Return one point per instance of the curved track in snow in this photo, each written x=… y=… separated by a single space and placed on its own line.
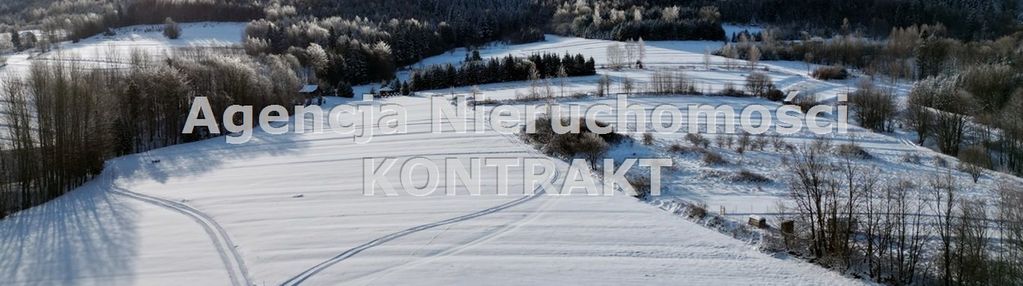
x=233 y=262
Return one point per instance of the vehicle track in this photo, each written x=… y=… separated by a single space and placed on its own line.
x=539 y=191
x=501 y=231
x=233 y=262
x=301 y=277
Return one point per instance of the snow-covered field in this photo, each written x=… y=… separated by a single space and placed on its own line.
x=696 y=181
x=294 y=211
x=106 y=51
x=289 y=209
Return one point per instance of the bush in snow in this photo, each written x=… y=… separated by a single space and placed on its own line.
x=712 y=158
x=758 y=84
x=830 y=73
x=641 y=185
x=775 y=95
x=807 y=101
x=973 y=160
x=584 y=144
x=679 y=148
x=697 y=211
x=746 y=176
x=648 y=138
x=730 y=90
x=171 y=29
x=853 y=151
x=697 y=140
x=873 y=108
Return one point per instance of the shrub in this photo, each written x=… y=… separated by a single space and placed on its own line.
x=940 y=162
x=697 y=140
x=807 y=101
x=585 y=143
x=648 y=138
x=679 y=148
x=171 y=29
x=831 y=73
x=853 y=151
x=697 y=211
x=760 y=142
x=745 y=176
x=730 y=90
x=973 y=160
x=712 y=158
x=641 y=185
x=873 y=108
x=777 y=142
x=775 y=95
x=912 y=158
x=758 y=84
x=745 y=142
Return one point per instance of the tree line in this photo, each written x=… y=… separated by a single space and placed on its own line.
x=74 y=20
x=623 y=20
x=966 y=19
x=64 y=120
x=509 y=68
x=347 y=50
x=901 y=232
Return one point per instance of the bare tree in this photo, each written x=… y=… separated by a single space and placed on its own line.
x=706 y=59
x=944 y=201
x=812 y=189
x=562 y=77
x=627 y=85
x=753 y=56
x=604 y=85
x=615 y=56
x=1010 y=219
x=973 y=160
x=872 y=107
x=758 y=84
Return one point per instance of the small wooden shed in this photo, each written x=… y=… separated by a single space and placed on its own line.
x=310 y=91
x=757 y=221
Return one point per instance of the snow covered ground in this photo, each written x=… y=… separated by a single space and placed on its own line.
x=294 y=210
x=99 y=50
x=696 y=181
x=289 y=209
x=895 y=156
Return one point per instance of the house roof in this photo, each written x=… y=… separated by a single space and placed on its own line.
x=386 y=89
x=309 y=88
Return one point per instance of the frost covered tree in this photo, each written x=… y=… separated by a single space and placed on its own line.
x=615 y=56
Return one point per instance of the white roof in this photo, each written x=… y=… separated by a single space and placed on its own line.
x=309 y=88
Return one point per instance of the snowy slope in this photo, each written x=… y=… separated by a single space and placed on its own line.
x=289 y=209
x=250 y=190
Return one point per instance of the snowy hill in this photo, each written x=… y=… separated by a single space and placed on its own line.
x=290 y=209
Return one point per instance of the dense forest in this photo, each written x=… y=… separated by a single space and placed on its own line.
x=478 y=71
x=61 y=127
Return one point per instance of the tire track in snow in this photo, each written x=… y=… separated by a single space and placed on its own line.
x=500 y=231
x=301 y=277
x=233 y=262
x=539 y=191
